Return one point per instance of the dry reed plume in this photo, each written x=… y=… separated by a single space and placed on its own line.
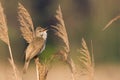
x=86 y=61
x=61 y=33
x=3 y=26
x=111 y=21
x=25 y=20
x=28 y=33
x=5 y=38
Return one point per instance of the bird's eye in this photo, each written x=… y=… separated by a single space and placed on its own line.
x=39 y=31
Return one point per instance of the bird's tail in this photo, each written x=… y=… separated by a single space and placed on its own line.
x=26 y=66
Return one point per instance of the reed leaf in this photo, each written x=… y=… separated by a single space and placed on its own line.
x=111 y=21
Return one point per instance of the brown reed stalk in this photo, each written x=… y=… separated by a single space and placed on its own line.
x=5 y=38
x=61 y=34
x=111 y=21
x=86 y=61
x=41 y=70
x=27 y=30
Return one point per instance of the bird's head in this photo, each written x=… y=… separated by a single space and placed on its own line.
x=41 y=32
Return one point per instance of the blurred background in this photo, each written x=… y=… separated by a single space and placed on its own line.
x=83 y=18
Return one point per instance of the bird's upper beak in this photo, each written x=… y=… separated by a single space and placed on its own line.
x=46 y=29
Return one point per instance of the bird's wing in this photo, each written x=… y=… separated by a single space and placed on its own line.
x=34 y=48
x=25 y=20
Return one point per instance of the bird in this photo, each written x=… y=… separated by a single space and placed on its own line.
x=36 y=46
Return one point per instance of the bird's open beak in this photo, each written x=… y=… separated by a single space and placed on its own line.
x=45 y=29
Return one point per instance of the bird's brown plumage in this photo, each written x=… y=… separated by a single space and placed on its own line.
x=33 y=49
